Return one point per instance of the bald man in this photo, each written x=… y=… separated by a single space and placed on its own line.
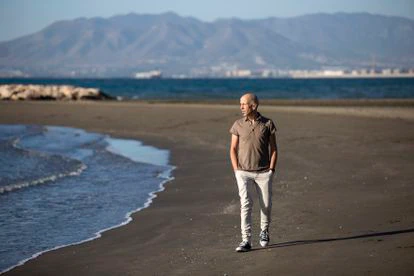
x=253 y=154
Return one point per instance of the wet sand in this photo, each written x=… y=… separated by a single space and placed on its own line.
x=343 y=199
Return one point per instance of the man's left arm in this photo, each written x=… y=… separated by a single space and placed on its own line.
x=273 y=152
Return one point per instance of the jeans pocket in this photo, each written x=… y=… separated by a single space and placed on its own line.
x=271 y=173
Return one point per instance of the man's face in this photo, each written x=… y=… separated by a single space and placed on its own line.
x=246 y=106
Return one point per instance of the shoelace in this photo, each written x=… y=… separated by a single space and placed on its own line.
x=243 y=243
x=264 y=235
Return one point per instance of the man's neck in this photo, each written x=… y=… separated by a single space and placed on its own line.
x=252 y=116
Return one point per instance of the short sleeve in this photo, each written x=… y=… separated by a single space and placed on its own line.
x=234 y=129
x=272 y=128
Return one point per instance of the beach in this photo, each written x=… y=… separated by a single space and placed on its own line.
x=343 y=197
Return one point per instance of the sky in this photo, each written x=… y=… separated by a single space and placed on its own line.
x=21 y=17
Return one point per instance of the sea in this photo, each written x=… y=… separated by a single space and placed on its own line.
x=61 y=186
x=218 y=89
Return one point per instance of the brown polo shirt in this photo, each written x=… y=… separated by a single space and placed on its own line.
x=253 y=152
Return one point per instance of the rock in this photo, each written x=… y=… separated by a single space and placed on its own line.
x=16 y=92
x=5 y=93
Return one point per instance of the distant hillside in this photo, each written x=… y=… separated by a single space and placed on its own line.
x=121 y=45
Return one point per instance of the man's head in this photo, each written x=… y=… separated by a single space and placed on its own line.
x=249 y=104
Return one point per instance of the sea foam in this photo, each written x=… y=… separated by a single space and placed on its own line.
x=117 y=178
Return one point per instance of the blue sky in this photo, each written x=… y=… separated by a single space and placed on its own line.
x=21 y=17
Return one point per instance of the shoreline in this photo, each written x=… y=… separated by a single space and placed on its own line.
x=393 y=109
x=363 y=102
x=97 y=235
x=400 y=102
x=317 y=195
x=164 y=177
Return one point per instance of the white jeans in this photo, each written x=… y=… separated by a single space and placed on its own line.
x=263 y=184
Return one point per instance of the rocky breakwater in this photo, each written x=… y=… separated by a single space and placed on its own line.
x=16 y=92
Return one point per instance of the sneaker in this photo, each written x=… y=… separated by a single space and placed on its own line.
x=244 y=246
x=264 y=238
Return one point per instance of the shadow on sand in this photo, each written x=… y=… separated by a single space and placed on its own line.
x=301 y=242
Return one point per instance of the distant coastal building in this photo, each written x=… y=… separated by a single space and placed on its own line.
x=239 y=73
x=154 y=74
x=230 y=72
x=360 y=73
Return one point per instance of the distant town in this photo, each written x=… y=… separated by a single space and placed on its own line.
x=215 y=72
x=245 y=73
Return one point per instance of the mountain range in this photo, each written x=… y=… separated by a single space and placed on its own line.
x=124 y=44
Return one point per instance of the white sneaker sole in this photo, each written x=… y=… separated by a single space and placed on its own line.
x=242 y=250
x=264 y=243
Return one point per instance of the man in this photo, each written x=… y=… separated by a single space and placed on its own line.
x=253 y=154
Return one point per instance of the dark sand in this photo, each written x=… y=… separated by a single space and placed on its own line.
x=343 y=198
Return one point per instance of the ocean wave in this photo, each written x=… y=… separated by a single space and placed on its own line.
x=43 y=180
x=165 y=175
x=14 y=142
x=122 y=177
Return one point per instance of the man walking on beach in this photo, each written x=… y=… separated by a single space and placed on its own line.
x=253 y=154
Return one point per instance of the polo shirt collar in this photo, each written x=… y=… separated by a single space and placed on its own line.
x=259 y=116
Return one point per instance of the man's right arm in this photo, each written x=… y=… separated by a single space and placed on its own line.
x=233 y=151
